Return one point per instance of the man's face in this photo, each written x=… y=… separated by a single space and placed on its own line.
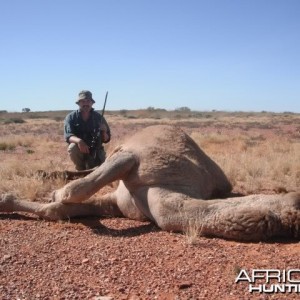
x=85 y=105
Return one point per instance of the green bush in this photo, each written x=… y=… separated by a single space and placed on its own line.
x=14 y=120
x=7 y=146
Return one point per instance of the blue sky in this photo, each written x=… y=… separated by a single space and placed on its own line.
x=234 y=55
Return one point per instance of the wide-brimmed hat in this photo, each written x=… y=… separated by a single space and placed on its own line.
x=85 y=95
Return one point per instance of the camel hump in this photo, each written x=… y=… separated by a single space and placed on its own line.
x=165 y=139
x=170 y=157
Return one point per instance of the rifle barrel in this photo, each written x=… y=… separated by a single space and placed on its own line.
x=104 y=104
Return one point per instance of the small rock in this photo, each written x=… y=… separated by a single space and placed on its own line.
x=6 y=257
x=184 y=285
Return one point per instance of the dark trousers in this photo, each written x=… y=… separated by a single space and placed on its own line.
x=84 y=161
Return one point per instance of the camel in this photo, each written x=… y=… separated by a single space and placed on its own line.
x=166 y=178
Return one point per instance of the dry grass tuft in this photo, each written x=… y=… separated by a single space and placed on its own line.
x=255 y=163
x=11 y=142
x=20 y=179
x=192 y=232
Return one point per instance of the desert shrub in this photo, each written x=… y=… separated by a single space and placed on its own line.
x=156 y=117
x=123 y=112
x=14 y=120
x=183 y=109
x=6 y=146
x=58 y=119
x=177 y=116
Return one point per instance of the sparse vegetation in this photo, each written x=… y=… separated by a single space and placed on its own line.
x=259 y=152
x=6 y=146
x=12 y=141
x=192 y=232
x=13 y=120
x=183 y=109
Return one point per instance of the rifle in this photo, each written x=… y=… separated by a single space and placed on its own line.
x=98 y=134
x=103 y=109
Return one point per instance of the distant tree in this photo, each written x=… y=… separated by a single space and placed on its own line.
x=25 y=109
x=3 y=111
x=183 y=109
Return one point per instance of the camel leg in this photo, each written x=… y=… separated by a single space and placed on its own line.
x=126 y=204
x=67 y=175
x=254 y=218
x=250 y=218
x=115 y=167
x=106 y=206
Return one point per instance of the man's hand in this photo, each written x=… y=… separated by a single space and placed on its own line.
x=83 y=147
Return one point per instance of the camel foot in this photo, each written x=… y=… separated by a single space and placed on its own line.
x=7 y=202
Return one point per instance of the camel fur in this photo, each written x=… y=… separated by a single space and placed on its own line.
x=166 y=178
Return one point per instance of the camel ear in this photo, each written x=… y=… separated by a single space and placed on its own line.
x=115 y=167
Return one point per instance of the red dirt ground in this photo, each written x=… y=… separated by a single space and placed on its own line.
x=124 y=259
